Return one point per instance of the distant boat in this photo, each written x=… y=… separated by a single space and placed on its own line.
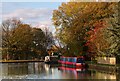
x=51 y=59
x=72 y=61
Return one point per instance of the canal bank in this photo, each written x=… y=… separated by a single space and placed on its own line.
x=104 y=68
x=19 y=61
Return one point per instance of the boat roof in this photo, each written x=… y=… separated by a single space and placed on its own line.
x=72 y=57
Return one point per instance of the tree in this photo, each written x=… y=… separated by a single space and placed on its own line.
x=38 y=42
x=21 y=41
x=7 y=30
x=97 y=42
x=105 y=34
x=68 y=29
x=8 y=26
x=113 y=30
x=74 y=20
x=49 y=39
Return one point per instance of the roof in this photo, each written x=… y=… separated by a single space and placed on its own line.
x=73 y=57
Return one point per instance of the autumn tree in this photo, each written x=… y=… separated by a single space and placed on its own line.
x=38 y=42
x=113 y=33
x=7 y=28
x=74 y=19
x=21 y=41
x=105 y=35
x=97 y=43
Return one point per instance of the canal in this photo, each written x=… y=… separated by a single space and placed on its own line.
x=39 y=70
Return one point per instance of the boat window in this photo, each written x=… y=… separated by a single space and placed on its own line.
x=80 y=60
x=70 y=59
x=65 y=59
x=74 y=59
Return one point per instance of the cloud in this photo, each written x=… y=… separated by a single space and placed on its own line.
x=45 y=24
x=0 y=5
x=40 y=18
x=0 y=9
x=29 y=13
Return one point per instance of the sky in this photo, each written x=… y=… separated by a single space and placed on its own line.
x=37 y=14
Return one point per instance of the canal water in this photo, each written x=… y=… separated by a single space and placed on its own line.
x=38 y=70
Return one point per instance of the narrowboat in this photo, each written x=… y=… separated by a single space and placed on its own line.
x=72 y=61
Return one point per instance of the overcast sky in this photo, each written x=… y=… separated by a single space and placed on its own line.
x=37 y=14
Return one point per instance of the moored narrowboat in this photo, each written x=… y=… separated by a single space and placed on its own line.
x=51 y=59
x=72 y=61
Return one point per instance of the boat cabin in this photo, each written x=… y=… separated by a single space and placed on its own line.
x=72 y=61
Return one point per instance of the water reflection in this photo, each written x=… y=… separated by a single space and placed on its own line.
x=39 y=70
x=74 y=73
